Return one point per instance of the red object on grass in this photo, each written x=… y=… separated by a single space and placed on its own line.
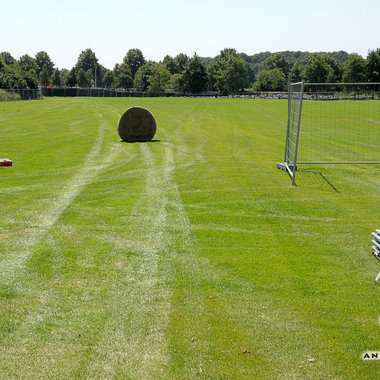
x=5 y=162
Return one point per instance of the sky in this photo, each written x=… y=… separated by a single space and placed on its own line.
x=64 y=28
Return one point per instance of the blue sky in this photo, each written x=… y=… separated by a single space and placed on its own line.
x=63 y=28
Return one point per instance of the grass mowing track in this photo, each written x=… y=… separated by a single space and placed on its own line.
x=189 y=257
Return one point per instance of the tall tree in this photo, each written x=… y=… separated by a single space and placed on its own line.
x=194 y=77
x=295 y=73
x=270 y=80
x=27 y=63
x=229 y=72
x=122 y=76
x=11 y=77
x=354 y=69
x=27 y=67
x=169 y=62
x=71 y=79
x=45 y=77
x=90 y=78
x=317 y=69
x=30 y=79
x=335 y=68
x=7 y=58
x=180 y=61
x=159 y=78
x=87 y=62
x=108 y=79
x=81 y=78
x=134 y=59
x=277 y=61
x=64 y=74
x=141 y=81
x=44 y=67
x=175 y=82
x=56 y=79
x=373 y=66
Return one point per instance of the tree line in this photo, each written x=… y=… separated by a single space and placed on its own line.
x=228 y=73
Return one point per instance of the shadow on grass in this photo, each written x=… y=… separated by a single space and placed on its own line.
x=324 y=179
x=140 y=142
x=329 y=183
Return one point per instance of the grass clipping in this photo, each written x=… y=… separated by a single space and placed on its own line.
x=136 y=125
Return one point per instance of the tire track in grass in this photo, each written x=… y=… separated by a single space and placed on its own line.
x=10 y=348
x=134 y=342
x=242 y=311
x=22 y=248
x=47 y=300
x=147 y=349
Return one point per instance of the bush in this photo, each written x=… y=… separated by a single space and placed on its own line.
x=6 y=96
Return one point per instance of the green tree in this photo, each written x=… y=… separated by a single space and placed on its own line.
x=44 y=67
x=45 y=77
x=123 y=76
x=373 y=66
x=56 y=79
x=64 y=73
x=251 y=72
x=180 y=61
x=7 y=58
x=317 y=69
x=102 y=73
x=134 y=59
x=270 y=80
x=141 y=81
x=87 y=62
x=354 y=69
x=108 y=79
x=169 y=62
x=71 y=79
x=229 y=73
x=81 y=78
x=30 y=79
x=194 y=77
x=27 y=69
x=175 y=82
x=90 y=80
x=27 y=63
x=11 y=77
x=277 y=61
x=335 y=69
x=159 y=78
x=295 y=73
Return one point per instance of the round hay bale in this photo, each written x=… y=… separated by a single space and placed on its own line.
x=136 y=125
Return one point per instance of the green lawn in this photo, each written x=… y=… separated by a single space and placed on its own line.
x=188 y=257
x=340 y=131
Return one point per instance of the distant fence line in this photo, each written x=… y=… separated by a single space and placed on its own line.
x=341 y=91
x=109 y=92
x=112 y=92
x=28 y=94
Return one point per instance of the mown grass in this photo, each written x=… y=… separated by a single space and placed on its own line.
x=343 y=131
x=191 y=257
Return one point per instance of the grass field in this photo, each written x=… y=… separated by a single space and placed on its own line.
x=339 y=131
x=189 y=257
